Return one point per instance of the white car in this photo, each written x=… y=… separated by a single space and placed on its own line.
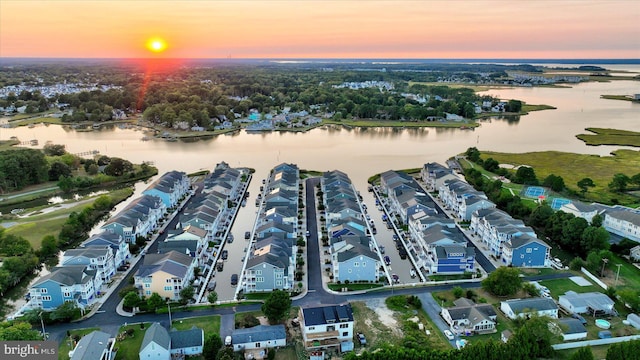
x=449 y=335
x=227 y=340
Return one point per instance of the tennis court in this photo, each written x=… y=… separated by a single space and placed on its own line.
x=534 y=192
x=557 y=203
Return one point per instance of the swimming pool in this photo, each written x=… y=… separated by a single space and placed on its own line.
x=603 y=324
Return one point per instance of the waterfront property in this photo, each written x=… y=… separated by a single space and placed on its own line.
x=526 y=307
x=165 y=274
x=442 y=246
x=75 y=283
x=434 y=175
x=170 y=188
x=495 y=227
x=114 y=241
x=99 y=258
x=623 y=222
x=272 y=258
x=327 y=327
x=139 y=218
x=354 y=260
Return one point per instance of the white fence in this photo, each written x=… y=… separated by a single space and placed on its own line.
x=594 y=278
x=578 y=344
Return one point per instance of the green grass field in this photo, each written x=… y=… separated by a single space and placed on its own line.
x=130 y=347
x=610 y=137
x=574 y=167
x=210 y=324
x=559 y=287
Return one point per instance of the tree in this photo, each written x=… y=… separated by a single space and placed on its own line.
x=556 y=183
x=514 y=106
x=530 y=289
x=594 y=238
x=212 y=345
x=18 y=330
x=154 y=301
x=491 y=165
x=65 y=312
x=473 y=154
x=54 y=150
x=503 y=282
x=619 y=182
x=525 y=175
x=541 y=215
x=59 y=169
x=624 y=350
x=49 y=246
x=212 y=297
x=276 y=306
x=118 y=167
x=584 y=184
x=186 y=294
x=131 y=300
x=457 y=292
x=225 y=353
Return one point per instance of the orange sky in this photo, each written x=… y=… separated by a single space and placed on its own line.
x=322 y=29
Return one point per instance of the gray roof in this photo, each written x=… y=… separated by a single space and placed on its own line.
x=88 y=252
x=156 y=333
x=629 y=216
x=357 y=248
x=259 y=333
x=327 y=314
x=524 y=239
x=594 y=300
x=68 y=275
x=474 y=313
x=532 y=304
x=571 y=326
x=443 y=252
x=91 y=346
x=172 y=262
x=181 y=339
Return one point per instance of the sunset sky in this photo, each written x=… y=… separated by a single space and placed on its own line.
x=321 y=29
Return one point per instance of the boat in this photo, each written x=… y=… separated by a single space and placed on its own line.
x=34 y=142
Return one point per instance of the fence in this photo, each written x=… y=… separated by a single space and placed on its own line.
x=578 y=344
x=594 y=278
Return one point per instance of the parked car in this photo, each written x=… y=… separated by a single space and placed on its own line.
x=387 y=260
x=403 y=253
x=396 y=278
x=382 y=250
x=227 y=340
x=234 y=279
x=247 y=235
x=449 y=335
x=579 y=317
x=412 y=272
x=308 y=233
x=361 y=339
x=224 y=254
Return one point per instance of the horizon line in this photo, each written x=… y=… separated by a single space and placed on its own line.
x=311 y=58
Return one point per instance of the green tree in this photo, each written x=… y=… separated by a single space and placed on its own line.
x=154 y=301
x=503 y=282
x=556 y=183
x=54 y=150
x=525 y=175
x=18 y=330
x=473 y=154
x=514 y=106
x=276 y=306
x=131 y=300
x=583 y=353
x=585 y=184
x=594 y=238
x=619 y=182
x=541 y=215
x=118 y=167
x=624 y=350
x=186 y=294
x=59 y=169
x=65 y=312
x=49 y=246
x=212 y=344
x=457 y=292
x=530 y=289
x=212 y=297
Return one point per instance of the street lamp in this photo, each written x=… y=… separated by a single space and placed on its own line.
x=618 y=273
x=44 y=334
x=604 y=262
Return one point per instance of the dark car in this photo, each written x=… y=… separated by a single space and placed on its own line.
x=579 y=317
x=224 y=254
x=234 y=279
x=387 y=260
x=403 y=253
x=247 y=235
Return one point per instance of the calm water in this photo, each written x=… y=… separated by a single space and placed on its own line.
x=364 y=152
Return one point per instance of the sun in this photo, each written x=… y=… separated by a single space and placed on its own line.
x=156 y=45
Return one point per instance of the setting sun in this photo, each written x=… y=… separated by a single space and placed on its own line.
x=156 y=45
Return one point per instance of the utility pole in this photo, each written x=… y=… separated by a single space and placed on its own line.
x=169 y=306
x=604 y=262
x=618 y=273
x=44 y=334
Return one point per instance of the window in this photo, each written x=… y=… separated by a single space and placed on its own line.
x=258 y=272
x=345 y=333
x=279 y=283
x=260 y=279
x=148 y=292
x=349 y=271
x=364 y=264
x=168 y=281
x=344 y=326
x=312 y=327
x=168 y=288
x=46 y=298
x=529 y=251
x=43 y=290
x=67 y=294
x=147 y=285
x=356 y=264
x=331 y=328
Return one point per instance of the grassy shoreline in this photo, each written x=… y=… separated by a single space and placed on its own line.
x=619 y=97
x=603 y=136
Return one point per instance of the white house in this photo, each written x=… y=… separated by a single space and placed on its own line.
x=186 y=342
x=571 y=329
x=635 y=253
x=525 y=307
x=586 y=303
x=96 y=345
x=327 y=327
x=468 y=317
x=623 y=223
x=156 y=344
x=259 y=337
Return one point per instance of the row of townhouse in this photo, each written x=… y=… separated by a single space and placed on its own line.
x=509 y=239
x=618 y=220
x=187 y=247
x=352 y=256
x=84 y=272
x=272 y=262
x=462 y=199
x=437 y=244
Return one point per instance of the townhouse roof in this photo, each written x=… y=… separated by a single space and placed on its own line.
x=447 y=251
x=107 y=237
x=524 y=239
x=172 y=262
x=324 y=315
x=89 y=252
x=68 y=275
x=355 y=246
x=629 y=216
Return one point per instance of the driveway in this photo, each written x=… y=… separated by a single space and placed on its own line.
x=431 y=307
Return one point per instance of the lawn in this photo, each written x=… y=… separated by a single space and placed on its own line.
x=559 y=287
x=629 y=274
x=66 y=345
x=610 y=137
x=210 y=324
x=599 y=352
x=130 y=346
x=574 y=167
